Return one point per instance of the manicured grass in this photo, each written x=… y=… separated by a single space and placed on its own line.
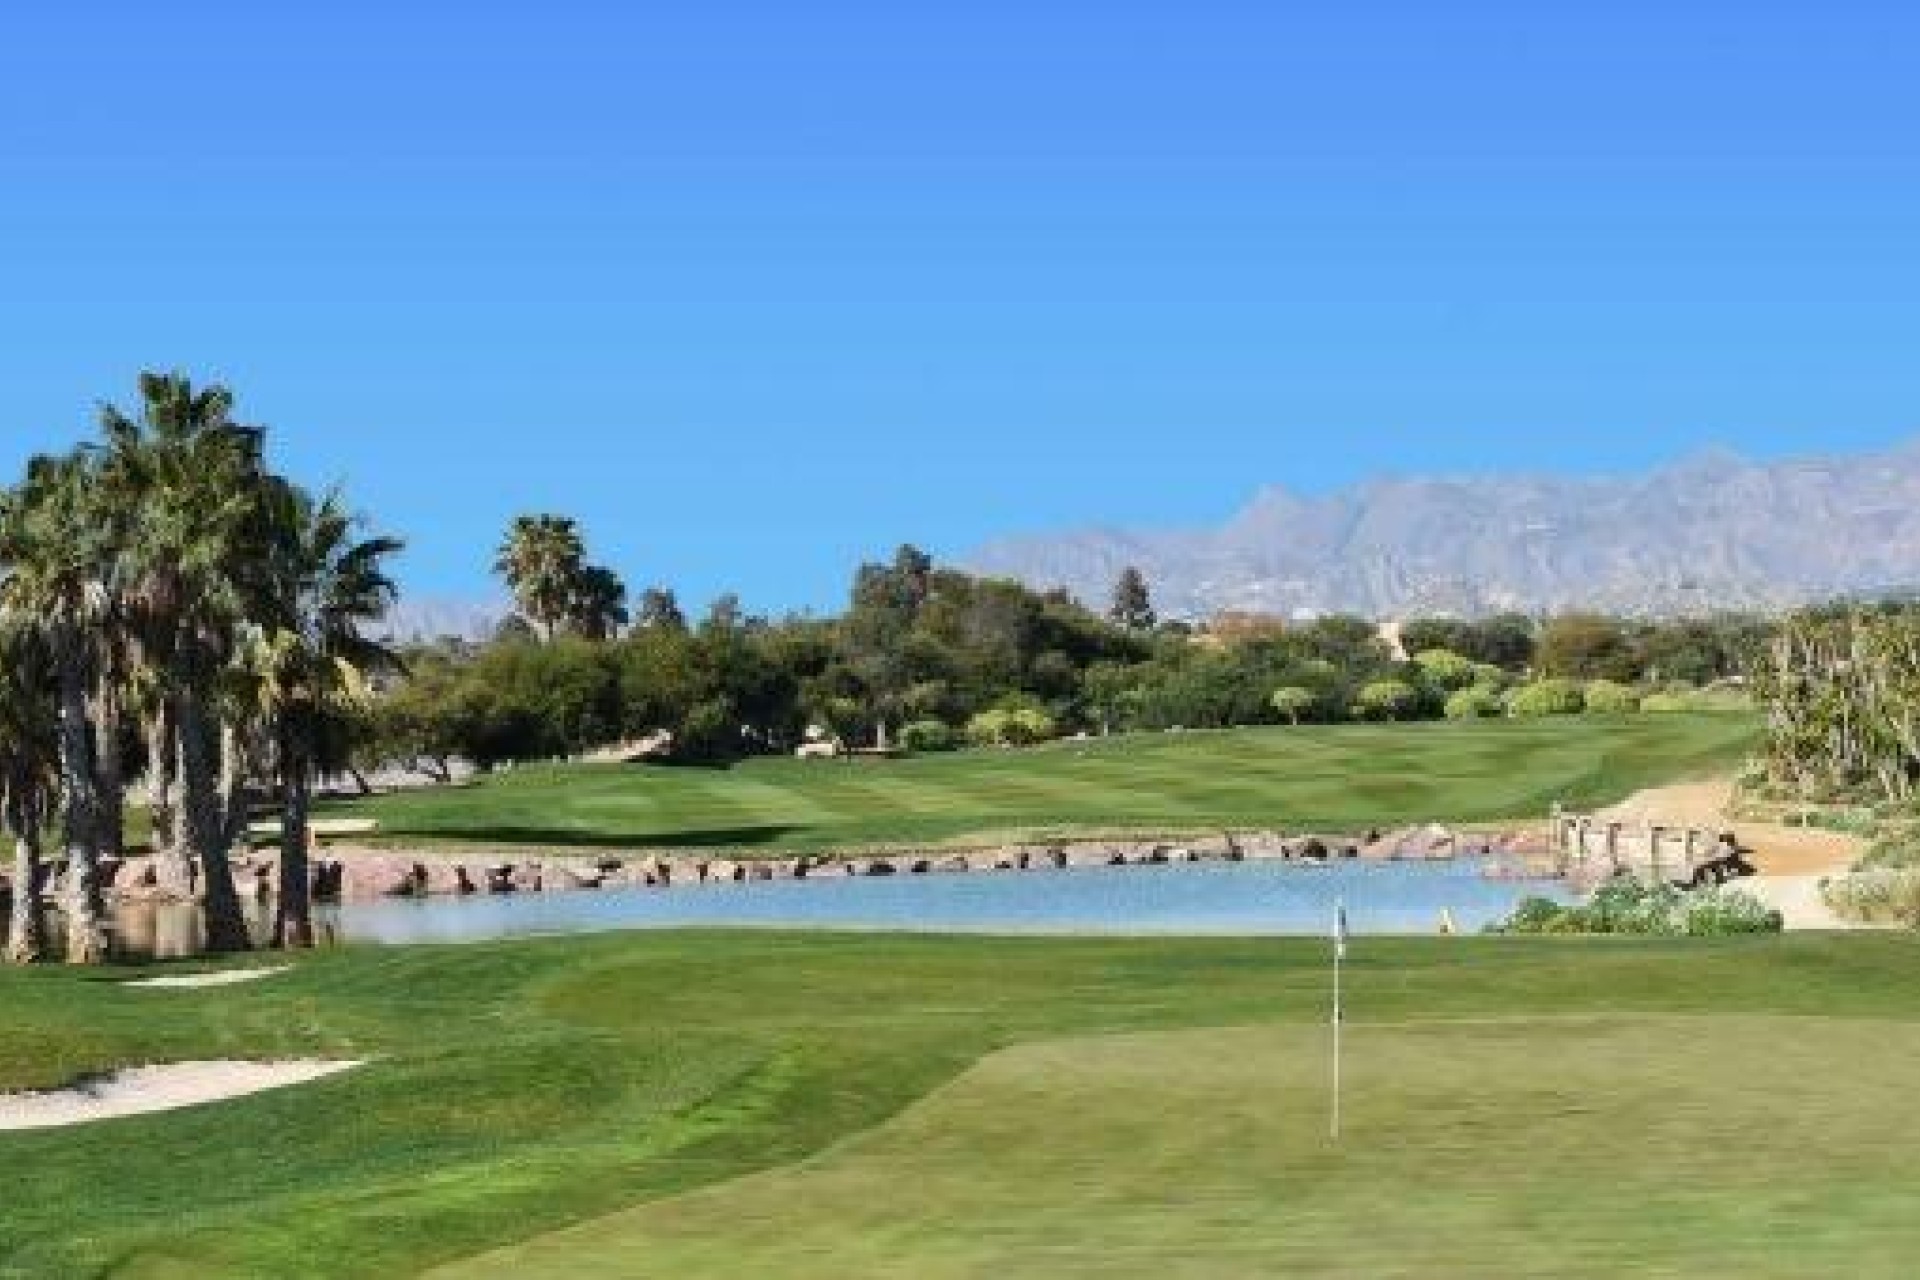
x=1350 y=776
x=905 y=1105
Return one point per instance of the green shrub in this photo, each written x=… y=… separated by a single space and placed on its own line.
x=1445 y=669
x=1018 y=727
x=1610 y=698
x=1550 y=697
x=1473 y=702
x=927 y=735
x=988 y=728
x=1710 y=913
x=1027 y=725
x=1385 y=700
x=1627 y=906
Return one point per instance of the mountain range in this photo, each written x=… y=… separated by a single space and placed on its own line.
x=1711 y=531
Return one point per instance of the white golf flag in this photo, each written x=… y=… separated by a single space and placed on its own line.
x=1340 y=931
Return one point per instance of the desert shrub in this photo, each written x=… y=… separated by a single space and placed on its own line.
x=1876 y=897
x=1010 y=727
x=927 y=735
x=1709 y=913
x=1385 y=700
x=1027 y=725
x=1550 y=697
x=1610 y=698
x=988 y=728
x=1534 y=915
x=1473 y=702
x=1629 y=907
x=1445 y=669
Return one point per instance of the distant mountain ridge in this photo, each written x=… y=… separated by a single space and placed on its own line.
x=1710 y=531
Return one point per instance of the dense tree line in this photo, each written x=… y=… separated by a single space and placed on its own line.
x=928 y=657
x=172 y=607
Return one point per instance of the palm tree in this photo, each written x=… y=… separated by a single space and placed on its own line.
x=314 y=657
x=53 y=585
x=29 y=780
x=542 y=559
x=598 y=608
x=186 y=485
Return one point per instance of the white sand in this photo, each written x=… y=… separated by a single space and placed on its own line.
x=138 y=1090
x=218 y=978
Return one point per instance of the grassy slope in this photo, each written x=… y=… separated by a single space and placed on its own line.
x=519 y=1087
x=1321 y=776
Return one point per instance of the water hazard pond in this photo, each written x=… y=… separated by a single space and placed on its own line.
x=1193 y=898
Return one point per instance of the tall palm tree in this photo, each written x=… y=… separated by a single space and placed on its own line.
x=542 y=559
x=29 y=780
x=54 y=566
x=598 y=608
x=314 y=656
x=187 y=485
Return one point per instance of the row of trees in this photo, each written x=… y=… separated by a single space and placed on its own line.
x=170 y=606
x=1591 y=646
x=926 y=657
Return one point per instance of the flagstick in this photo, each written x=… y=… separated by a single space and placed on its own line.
x=1339 y=953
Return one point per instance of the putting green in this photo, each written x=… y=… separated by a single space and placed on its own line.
x=1575 y=1145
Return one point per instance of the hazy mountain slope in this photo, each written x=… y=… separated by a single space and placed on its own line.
x=1713 y=530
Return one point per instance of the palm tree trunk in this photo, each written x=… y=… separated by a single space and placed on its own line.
x=108 y=766
x=25 y=942
x=233 y=783
x=203 y=822
x=293 y=920
x=171 y=868
x=86 y=913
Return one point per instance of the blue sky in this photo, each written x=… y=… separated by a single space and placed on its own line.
x=757 y=289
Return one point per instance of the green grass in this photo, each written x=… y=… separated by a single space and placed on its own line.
x=1349 y=776
x=711 y=1103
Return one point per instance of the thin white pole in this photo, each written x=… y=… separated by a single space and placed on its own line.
x=1339 y=953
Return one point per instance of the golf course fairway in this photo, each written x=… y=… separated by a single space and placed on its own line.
x=733 y=1103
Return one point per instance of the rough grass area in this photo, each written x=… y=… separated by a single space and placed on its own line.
x=1315 y=776
x=839 y=1105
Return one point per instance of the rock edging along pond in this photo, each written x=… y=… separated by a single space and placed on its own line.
x=342 y=873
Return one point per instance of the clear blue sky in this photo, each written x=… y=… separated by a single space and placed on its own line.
x=757 y=289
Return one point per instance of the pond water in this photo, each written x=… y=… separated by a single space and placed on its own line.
x=1189 y=898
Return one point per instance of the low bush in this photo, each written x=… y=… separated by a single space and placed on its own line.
x=927 y=735
x=1629 y=907
x=1551 y=697
x=1876 y=897
x=1016 y=727
x=1473 y=702
x=1610 y=698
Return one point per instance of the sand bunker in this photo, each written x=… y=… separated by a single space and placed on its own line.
x=138 y=1090
x=218 y=978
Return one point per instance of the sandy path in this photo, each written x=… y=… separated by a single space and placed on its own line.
x=218 y=978
x=139 y=1090
x=1792 y=860
x=1778 y=849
